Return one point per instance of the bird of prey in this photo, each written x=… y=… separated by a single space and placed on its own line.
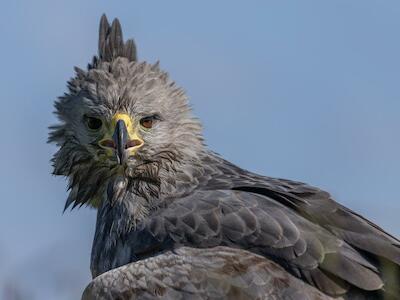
x=177 y=221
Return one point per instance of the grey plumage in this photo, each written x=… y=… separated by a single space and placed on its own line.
x=173 y=196
x=189 y=273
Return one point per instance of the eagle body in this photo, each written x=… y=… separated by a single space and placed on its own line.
x=293 y=224
x=177 y=221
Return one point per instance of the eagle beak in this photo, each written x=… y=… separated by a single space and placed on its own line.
x=123 y=139
x=120 y=138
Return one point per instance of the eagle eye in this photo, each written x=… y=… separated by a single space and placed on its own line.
x=93 y=123
x=147 y=122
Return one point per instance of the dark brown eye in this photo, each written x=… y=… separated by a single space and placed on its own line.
x=93 y=123
x=147 y=122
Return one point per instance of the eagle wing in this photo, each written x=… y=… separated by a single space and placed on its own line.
x=189 y=273
x=298 y=226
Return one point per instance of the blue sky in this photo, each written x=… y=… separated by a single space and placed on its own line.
x=310 y=87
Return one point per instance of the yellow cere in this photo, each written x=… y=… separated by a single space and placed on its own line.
x=124 y=117
x=132 y=131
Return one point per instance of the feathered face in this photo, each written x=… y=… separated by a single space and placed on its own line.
x=124 y=125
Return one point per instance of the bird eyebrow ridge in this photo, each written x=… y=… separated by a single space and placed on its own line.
x=154 y=116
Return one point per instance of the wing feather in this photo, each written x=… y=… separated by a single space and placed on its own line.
x=256 y=222
x=214 y=273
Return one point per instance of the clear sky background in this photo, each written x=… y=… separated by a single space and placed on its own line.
x=306 y=90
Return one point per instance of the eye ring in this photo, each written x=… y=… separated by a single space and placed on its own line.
x=93 y=123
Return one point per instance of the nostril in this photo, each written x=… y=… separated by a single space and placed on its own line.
x=108 y=143
x=133 y=143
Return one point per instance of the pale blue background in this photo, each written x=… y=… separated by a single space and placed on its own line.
x=307 y=90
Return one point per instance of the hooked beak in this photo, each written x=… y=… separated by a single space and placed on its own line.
x=123 y=140
x=120 y=138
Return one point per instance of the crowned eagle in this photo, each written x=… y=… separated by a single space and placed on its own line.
x=177 y=221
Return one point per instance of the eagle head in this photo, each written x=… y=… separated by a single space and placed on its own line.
x=124 y=126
